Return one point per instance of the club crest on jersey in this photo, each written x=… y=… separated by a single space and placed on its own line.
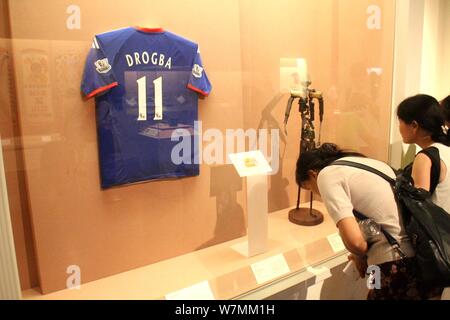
x=102 y=65
x=197 y=71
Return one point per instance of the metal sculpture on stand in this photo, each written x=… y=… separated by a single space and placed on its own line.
x=306 y=96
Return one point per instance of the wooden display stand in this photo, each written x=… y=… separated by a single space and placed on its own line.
x=305 y=216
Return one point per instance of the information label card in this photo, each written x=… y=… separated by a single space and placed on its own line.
x=252 y=163
x=199 y=291
x=270 y=268
x=336 y=243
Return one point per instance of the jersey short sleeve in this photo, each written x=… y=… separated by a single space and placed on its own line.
x=335 y=193
x=98 y=75
x=198 y=80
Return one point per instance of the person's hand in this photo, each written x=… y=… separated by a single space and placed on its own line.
x=360 y=264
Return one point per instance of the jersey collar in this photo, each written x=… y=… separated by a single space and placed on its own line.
x=149 y=30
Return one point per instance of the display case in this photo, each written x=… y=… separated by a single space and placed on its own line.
x=158 y=236
x=298 y=259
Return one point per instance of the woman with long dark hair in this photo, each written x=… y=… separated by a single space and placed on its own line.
x=423 y=121
x=344 y=189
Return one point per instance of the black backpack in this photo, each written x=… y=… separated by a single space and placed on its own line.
x=427 y=225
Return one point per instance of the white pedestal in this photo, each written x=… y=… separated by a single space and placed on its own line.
x=254 y=167
x=257 y=215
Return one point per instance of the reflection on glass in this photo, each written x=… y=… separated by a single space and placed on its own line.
x=293 y=74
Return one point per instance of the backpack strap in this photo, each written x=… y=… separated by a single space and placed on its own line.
x=366 y=168
x=391 y=240
x=435 y=174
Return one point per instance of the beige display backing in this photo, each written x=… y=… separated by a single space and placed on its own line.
x=59 y=212
x=229 y=274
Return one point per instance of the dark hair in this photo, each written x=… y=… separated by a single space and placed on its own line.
x=445 y=104
x=319 y=158
x=426 y=111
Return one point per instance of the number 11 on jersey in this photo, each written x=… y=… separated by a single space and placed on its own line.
x=142 y=98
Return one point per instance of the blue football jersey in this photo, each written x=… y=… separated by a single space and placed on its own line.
x=146 y=84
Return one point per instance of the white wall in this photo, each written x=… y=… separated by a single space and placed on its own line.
x=9 y=276
x=421 y=61
x=407 y=61
x=435 y=70
x=444 y=49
